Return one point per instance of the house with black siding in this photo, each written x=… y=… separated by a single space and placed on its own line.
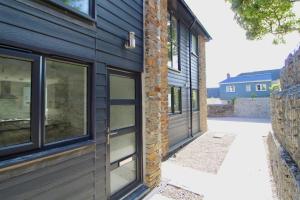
x=74 y=94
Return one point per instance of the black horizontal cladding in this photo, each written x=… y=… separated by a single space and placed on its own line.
x=49 y=179
x=43 y=32
x=179 y=124
x=33 y=26
x=114 y=22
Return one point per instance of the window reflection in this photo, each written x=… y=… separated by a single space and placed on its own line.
x=15 y=101
x=81 y=5
x=66 y=100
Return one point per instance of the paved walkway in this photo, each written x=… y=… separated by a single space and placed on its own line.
x=243 y=175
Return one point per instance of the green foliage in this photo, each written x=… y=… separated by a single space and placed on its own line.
x=275 y=87
x=260 y=17
x=233 y=100
x=253 y=95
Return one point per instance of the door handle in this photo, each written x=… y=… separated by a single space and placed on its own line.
x=107 y=139
x=113 y=133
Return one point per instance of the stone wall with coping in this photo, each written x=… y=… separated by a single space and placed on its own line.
x=220 y=110
x=252 y=107
x=285 y=142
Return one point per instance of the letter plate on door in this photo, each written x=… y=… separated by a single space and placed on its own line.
x=124 y=162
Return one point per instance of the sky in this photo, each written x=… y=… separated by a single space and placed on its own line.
x=229 y=51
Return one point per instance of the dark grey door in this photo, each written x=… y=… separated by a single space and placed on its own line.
x=124 y=133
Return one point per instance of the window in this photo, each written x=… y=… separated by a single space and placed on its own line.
x=65 y=105
x=170 y=99
x=248 y=88
x=195 y=99
x=84 y=7
x=194 y=44
x=66 y=100
x=15 y=101
x=230 y=88
x=173 y=61
x=174 y=100
x=261 y=87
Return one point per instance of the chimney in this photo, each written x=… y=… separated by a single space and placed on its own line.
x=228 y=75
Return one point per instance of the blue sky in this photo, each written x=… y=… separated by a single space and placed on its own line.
x=230 y=51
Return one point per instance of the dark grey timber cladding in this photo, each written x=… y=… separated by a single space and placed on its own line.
x=101 y=120
x=67 y=176
x=42 y=28
x=115 y=18
x=35 y=26
x=179 y=123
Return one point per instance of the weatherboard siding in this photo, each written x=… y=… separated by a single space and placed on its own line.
x=45 y=29
x=181 y=126
x=240 y=91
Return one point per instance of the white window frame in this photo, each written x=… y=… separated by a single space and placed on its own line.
x=230 y=88
x=248 y=88
x=260 y=89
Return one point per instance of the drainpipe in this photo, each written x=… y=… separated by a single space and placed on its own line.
x=190 y=74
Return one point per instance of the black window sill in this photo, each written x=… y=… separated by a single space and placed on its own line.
x=78 y=13
x=175 y=70
x=31 y=156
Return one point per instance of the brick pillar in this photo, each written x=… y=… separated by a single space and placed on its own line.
x=164 y=77
x=202 y=84
x=155 y=88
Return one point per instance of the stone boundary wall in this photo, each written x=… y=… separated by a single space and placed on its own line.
x=220 y=110
x=285 y=171
x=285 y=109
x=252 y=107
x=243 y=107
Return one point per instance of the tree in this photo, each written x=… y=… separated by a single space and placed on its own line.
x=260 y=17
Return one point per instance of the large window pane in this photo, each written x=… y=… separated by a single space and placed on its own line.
x=122 y=176
x=194 y=44
x=66 y=100
x=15 y=101
x=122 y=146
x=122 y=116
x=170 y=99
x=177 y=100
x=121 y=87
x=195 y=100
x=81 y=5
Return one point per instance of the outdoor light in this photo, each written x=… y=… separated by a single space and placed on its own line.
x=130 y=43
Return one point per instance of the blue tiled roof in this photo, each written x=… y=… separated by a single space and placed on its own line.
x=248 y=78
x=275 y=73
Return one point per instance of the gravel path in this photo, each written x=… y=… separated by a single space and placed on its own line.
x=177 y=193
x=205 y=153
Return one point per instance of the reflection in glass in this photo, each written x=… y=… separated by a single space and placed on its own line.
x=121 y=87
x=66 y=100
x=195 y=101
x=177 y=99
x=122 y=146
x=122 y=116
x=15 y=101
x=81 y=5
x=122 y=176
x=170 y=99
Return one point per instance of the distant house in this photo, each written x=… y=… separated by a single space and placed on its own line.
x=249 y=84
x=213 y=93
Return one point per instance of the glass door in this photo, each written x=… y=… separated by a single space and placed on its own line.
x=123 y=132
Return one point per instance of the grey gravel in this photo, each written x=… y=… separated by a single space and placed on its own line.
x=177 y=193
x=206 y=153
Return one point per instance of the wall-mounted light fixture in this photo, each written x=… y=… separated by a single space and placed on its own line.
x=130 y=43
